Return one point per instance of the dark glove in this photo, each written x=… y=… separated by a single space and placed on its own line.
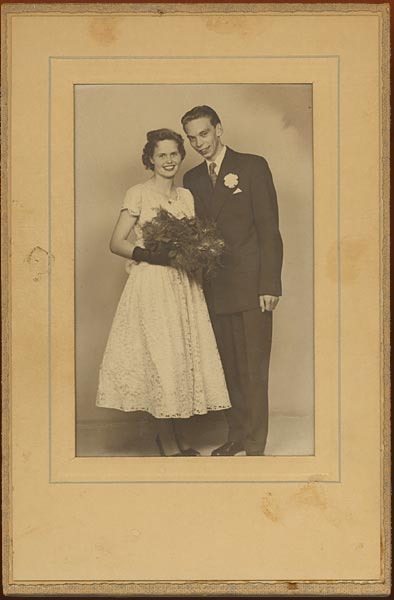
x=160 y=255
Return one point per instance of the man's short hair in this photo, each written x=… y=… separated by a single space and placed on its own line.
x=199 y=112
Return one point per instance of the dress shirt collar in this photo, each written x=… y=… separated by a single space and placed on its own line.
x=218 y=160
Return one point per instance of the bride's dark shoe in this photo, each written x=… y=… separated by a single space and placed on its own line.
x=160 y=445
x=181 y=441
x=182 y=452
x=187 y=452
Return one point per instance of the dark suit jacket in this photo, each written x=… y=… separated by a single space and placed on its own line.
x=248 y=221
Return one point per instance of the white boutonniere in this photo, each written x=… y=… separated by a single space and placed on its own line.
x=231 y=181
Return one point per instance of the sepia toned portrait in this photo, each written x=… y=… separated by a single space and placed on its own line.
x=193 y=286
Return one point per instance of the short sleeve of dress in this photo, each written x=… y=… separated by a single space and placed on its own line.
x=188 y=201
x=133 y=200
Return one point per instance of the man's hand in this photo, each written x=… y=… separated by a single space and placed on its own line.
x=268 y=302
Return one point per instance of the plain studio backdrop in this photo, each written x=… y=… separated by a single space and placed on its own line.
x=111 y=122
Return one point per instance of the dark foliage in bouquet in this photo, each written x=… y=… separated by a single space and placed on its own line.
x=197 y=245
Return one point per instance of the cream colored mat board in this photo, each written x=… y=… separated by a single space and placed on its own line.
x=271 y=525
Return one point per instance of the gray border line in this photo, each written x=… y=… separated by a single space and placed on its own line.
x=49 y=270
x=50 y=58
x=182 y=57
x=339 y=268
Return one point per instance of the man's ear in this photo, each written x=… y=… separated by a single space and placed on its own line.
x=219 y=129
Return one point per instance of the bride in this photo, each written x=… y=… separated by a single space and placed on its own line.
x=161 y=355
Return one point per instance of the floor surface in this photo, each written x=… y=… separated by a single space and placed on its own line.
x=135 y=436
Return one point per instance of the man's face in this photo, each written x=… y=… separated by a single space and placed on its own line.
x=204 y=137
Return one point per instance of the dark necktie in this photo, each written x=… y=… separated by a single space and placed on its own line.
x=212 y=174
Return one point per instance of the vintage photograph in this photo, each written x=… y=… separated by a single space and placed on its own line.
x=194 y=270
x=195 y=267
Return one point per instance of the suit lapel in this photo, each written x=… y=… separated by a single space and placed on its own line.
x=221 y=192
x=205 y=190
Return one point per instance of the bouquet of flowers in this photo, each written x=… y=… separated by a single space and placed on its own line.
x=197 y=246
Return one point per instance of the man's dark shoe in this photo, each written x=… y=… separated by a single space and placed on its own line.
x=228 y=449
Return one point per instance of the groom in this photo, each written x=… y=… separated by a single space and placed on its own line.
x=236 y=190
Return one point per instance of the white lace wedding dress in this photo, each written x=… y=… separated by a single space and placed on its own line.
x=161 y=355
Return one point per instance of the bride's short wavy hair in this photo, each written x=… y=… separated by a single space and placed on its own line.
x=160 y=135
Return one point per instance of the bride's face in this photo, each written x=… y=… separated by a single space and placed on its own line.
x=166 y=159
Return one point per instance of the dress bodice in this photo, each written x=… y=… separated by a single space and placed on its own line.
x=144 y=200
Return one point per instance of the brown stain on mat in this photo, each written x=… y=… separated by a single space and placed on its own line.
x=310 y=495
x=291 y=585
x=135 y=535
x=38 y=261
x=102 y=549
x=26 y=456
x=33 y=530
x=316 y=477
x=270 y=508
x=104 y=30
x=244 y=26
x=353 y=256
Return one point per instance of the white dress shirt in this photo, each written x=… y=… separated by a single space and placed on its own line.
x=218 y=160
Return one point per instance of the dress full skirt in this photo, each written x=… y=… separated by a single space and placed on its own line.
x=161 y=356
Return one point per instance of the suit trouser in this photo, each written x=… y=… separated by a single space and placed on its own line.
x=244 y=343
